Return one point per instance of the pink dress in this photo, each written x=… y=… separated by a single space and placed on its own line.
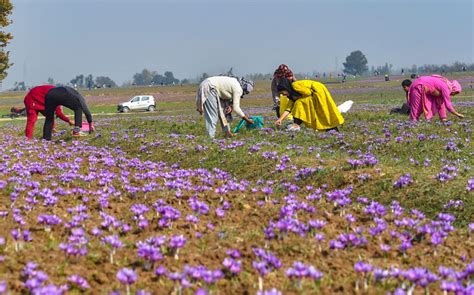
x=422 y=98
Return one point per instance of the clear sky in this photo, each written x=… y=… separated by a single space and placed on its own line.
x=117 y=38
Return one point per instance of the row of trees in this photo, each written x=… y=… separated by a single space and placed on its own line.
x=356 y=64
x=147 y=77
x=81 y=81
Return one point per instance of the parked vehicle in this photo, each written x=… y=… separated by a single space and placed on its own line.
x=138 y=103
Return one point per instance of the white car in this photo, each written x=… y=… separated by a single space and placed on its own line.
x=139 y=102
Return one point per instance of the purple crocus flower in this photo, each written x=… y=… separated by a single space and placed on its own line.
x=177 y=242
x=471 y=227
x=470 y=185
x=362 y=267
x=3 y=287
x=161 y=271
x=79 y=281
x=403 y=181
x=127 y=277
x=234 y=266
x=270 y=292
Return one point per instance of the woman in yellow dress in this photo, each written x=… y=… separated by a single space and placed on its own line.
x=310 y=103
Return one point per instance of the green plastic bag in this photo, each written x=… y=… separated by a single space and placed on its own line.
x=257 y=124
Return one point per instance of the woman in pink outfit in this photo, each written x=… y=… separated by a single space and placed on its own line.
x=431 y=95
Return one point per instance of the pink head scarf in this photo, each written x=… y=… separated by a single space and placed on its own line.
x=453 y=85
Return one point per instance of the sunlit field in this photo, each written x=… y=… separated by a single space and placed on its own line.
x=148 y=203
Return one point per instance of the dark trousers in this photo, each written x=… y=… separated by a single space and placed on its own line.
x=60 y=96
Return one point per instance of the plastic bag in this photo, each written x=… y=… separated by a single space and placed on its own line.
x=257 y=124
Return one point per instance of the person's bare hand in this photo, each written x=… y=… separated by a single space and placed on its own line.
x=228 y=110
x=91 y=128
x=278 y=122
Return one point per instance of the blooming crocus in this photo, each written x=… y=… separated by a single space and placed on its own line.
x=403 y=181
x=234 y=253
x=177 y=242
x=471 y=229
x=114 y=243
x=300 y=271
x=470 y=185
x=363 y=268
x=265 y=263
x=269 y=292
x=16 y=235
x=220 y=212
x=150 y=253
x=234 y=266
x=3 y=287
x=79 y=282
x=385 y=247
x=161 y=271
x=127 y=277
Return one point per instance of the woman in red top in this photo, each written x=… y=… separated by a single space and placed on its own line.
x=34 y=104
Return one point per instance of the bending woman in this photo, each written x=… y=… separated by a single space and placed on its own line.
x=70 y=98
x=431 y=95
x=212 y=94
x=35 y=103
x=310 y=103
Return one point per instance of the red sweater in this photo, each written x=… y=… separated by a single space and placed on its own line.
x=34 y=103
x=34 y=100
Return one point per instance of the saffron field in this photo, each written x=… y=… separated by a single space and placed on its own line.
x=149 y=205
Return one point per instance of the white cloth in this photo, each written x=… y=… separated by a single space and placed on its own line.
x=228 y=88
x=209 y=104
x=345 y=107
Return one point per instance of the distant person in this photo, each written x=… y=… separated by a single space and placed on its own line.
x=387 y=78
x=35 y=103
x=431 y=95
x=402 y=72
x=310 y=103
x=70 y=98
x=283 y=71
x=213 y=93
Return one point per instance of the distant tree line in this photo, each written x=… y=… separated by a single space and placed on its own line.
x=146 y=77
x=81 y=81
x=356 y=64
x=455 y=67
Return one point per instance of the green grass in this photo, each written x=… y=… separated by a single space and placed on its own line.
x=360 y=132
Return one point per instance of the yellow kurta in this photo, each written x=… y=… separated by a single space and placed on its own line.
x=315 y=108
x=283 y=106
